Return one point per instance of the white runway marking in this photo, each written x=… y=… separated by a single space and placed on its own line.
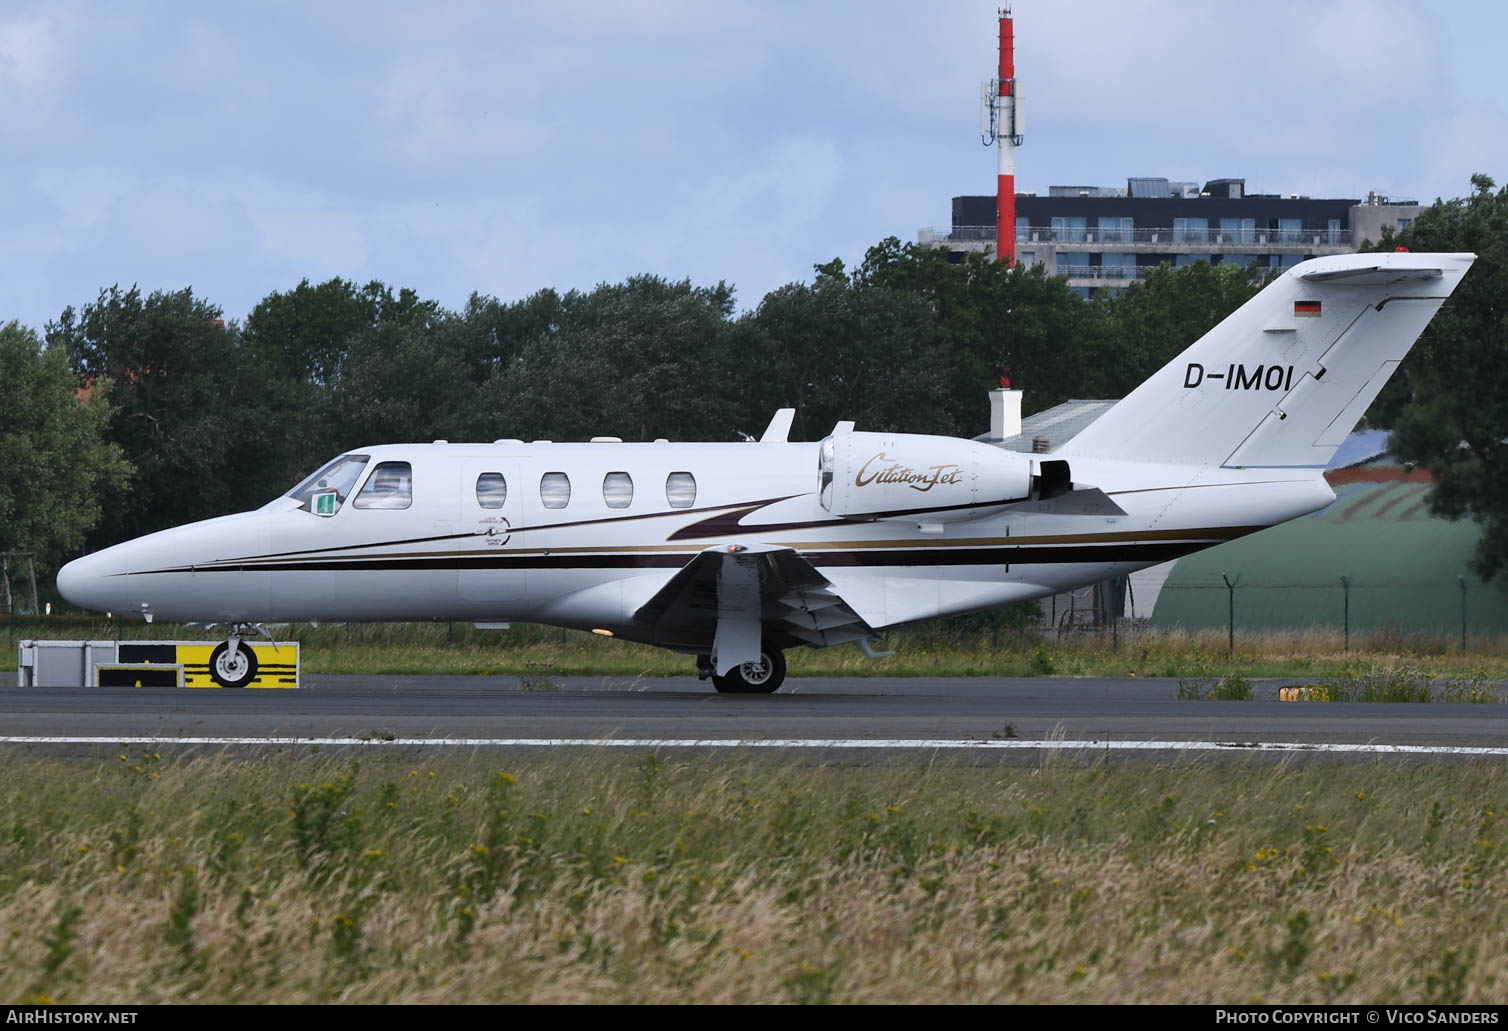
x=1012 y=744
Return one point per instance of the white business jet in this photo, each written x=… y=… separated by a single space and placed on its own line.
x=734 y=552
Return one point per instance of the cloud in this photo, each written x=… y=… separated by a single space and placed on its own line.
x=466 y=146
x=36 y=60
x=1469 y=141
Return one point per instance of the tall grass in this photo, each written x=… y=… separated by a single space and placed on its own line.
x=964 y=646
x=591 y=878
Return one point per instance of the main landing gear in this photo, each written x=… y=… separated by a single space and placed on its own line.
x=761 y=677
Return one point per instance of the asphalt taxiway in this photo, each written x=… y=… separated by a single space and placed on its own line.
x=896 y=714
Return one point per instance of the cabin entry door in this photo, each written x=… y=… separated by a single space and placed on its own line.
x=490 y=568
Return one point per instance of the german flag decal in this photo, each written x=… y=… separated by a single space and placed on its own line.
x=1310 y=308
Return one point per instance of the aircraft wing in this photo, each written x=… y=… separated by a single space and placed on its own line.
x=724 y=601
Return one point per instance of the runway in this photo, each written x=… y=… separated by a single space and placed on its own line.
x=983 y=714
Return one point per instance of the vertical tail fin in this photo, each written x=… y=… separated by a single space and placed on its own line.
x=1287 y=376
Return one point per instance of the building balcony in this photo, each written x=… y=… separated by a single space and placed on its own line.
x=1097 y=274
x=1157 y=239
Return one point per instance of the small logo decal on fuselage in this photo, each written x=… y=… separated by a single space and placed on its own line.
x=1240 y=377
x=497 y=535
x=920 y=480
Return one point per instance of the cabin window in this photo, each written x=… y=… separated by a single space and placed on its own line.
x=391 y=485
x=555 y=490
x=336 y=477
x=491 y=490
x=680 y=490
x=618 y=490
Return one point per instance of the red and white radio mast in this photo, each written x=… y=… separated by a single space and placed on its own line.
x=1000 y=123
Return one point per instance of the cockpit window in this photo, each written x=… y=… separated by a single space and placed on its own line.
x=391 y=485
x=337 y=477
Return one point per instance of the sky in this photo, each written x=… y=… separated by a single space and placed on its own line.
x=501 y=148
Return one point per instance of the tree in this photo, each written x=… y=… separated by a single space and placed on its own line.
x=641 y=359
x=202 y=423
x=491 y=334
x=365 y=365
x=956 y=338
x=1150 y=322
x=911 y=340
x=1050 y=339
x=307 y=331
x=1457 y=421
x=405 y=379
x=846 y=349
x=59 y=471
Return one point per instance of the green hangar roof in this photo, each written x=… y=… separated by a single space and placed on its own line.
x=1403 y=565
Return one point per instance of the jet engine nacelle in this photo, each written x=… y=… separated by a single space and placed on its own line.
x=911 y=475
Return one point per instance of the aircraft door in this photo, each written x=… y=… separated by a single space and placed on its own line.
x=492 y=511
x=401 y=520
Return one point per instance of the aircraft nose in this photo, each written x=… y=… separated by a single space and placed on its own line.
x=72 y=581
x=87 y=582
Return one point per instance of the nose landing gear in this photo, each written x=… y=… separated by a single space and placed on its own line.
x=231 y=664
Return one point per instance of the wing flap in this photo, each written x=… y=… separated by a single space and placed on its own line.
x=796 y=603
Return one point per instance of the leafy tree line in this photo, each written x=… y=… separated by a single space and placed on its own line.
x=57 y=470
x=1450 y=397
x=214 y=416
x=191 y=416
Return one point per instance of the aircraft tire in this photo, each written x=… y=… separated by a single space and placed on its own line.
x=762 y=677
x=232 y=671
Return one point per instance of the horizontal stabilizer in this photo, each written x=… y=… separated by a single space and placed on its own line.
x=1373 y=275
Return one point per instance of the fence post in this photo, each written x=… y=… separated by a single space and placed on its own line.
x=1462 y=581
x=1230 y=588
x=1345 y=586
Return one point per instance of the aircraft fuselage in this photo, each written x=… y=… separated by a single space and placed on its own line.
x=587 y=565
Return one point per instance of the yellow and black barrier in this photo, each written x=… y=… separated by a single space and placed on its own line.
x=138 y=674
x=260 y=664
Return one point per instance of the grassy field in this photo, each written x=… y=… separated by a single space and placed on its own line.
x=968 y=646
x=589 y=878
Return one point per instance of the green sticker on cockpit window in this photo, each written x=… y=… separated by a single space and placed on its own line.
x=324 y=504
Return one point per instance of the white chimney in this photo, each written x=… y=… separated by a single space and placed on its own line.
x=1005 y=413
